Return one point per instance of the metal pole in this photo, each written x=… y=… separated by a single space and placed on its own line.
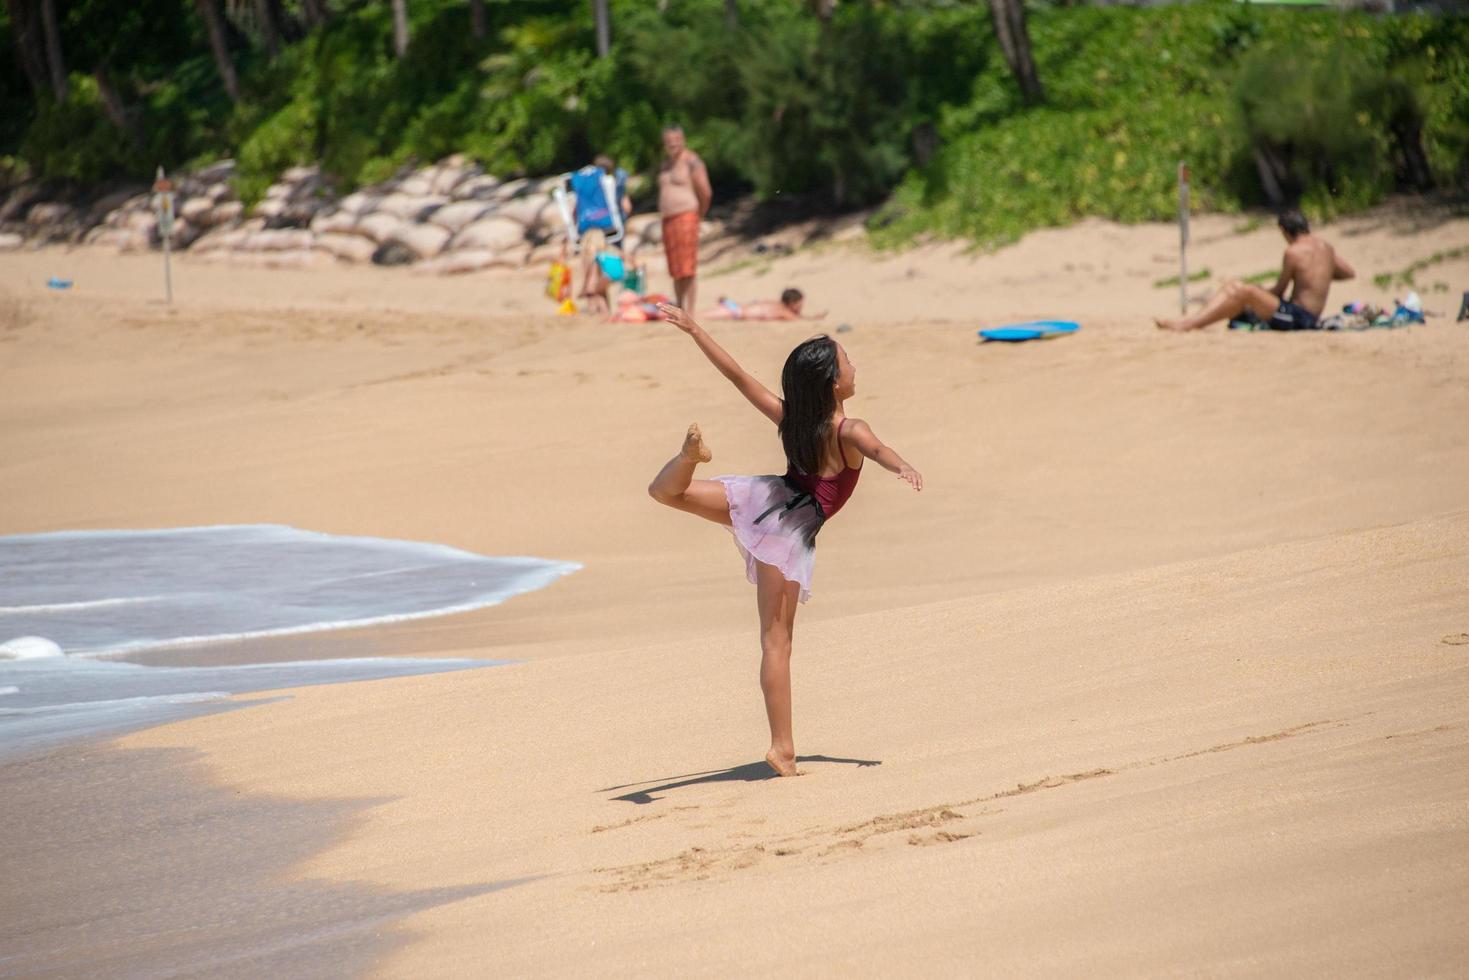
x=167 y=271
x=1182 y=237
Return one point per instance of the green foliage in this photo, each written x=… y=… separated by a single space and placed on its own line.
x=1132 y=91
x=784 y=105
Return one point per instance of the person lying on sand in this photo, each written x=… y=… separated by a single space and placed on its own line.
x=1310 y=266
x=788 y=307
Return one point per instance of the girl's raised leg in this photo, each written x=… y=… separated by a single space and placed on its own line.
x=675 y=484
x=777 y=599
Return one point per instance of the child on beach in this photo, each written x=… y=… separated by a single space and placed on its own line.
x=775 y=519
x=788 y=307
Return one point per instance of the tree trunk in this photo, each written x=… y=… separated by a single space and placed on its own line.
x=477 y=19
x=269 y=33
x=53 y=50
x=30 y=50
x=314 y=13
x=823 y=9
x=400 y=27
x=1415 y=173
x=1269 y=178
x=603 y=17
x=287 y=29
x=1010 y=31
x=112 y=105
x=731 y=14
x=214 y=26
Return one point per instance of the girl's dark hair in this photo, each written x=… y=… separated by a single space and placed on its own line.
x=807 y=382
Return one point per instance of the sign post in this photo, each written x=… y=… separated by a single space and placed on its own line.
x=163 y=204
x=1182 y=237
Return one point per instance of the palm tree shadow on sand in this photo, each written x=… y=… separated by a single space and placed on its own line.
x=753 y=772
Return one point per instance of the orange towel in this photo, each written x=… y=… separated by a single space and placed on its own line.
x=681 y=244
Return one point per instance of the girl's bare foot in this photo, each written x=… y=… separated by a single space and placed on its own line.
x=783 y=764
x=693 y=445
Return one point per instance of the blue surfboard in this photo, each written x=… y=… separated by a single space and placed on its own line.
x=1034 y=330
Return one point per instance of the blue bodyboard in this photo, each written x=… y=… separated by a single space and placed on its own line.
x=1035 y=330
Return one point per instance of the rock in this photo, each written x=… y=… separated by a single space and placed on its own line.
x=648 y=226
x=10 y=241
x=458 y=263
x=419 y=185
x=527 y=210
x=349 y=248
x=494 y=233
x=298 y=258
x=196 y=209
x=458 y=214
x=144 y=221
x=338 y=221
x=424 y=241
x=393 y=253
x=298 y=175
x=277 y=240
x=359 y=203
x=217 y=172
x=510 y=189
x=451 y=177
x=218 y=239
x=411 y=207
x=482 y=187
x=225 y=212
x=49 y=213
x=271 y=207
x=379 y=227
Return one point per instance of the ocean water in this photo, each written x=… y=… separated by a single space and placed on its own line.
x=71 y=602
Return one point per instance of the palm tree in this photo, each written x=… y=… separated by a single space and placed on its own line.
x=400 y=27
x=603 y=18
x=1009 y=17
x=214 y=26
x=53 y=50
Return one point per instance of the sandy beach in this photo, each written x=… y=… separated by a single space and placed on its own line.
x=1163 y=672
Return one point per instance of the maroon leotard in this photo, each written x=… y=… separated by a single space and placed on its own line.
x=831 y=492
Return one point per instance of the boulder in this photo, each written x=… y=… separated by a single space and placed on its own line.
x=360 y=202
x=424 y=241
x=481 y=187
x=298 y=175
x=420 y=184
x=411 y=207
x=527 y=210
x=10 y=241
x=458 y=214
x=271 y=207
x=510 y=189
x=49 y=213
x=494 y=233
x=224 y=213
x=340 y=222
x=196 y=209
x=393 y=253
x=379 y=226
x=648 y=226
x=218 y=239
x=349 y=248
x=458 y=263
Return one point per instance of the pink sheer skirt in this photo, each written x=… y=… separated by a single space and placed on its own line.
x=775 y=522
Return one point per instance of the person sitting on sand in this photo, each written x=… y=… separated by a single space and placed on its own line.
x=601 y=267
x=1309 y=268
x=788 y=307
x=775 y=519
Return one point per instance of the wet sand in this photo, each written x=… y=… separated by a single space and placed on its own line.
x=1158 y=674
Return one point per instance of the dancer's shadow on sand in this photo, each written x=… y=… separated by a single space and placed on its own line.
x=754 y=772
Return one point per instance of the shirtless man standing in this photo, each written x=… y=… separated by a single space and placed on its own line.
x=683 y=200
x=1310 y=264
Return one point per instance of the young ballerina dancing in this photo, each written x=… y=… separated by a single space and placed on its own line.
x=774 y=519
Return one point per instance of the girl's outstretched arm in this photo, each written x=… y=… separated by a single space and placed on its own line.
x=860 y=434
x=759 y=395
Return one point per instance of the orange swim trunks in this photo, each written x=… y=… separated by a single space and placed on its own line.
x=681 y=244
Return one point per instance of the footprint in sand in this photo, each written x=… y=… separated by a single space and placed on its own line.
x=1457 y=639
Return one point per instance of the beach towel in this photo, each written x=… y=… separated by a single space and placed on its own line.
x=681 y=244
